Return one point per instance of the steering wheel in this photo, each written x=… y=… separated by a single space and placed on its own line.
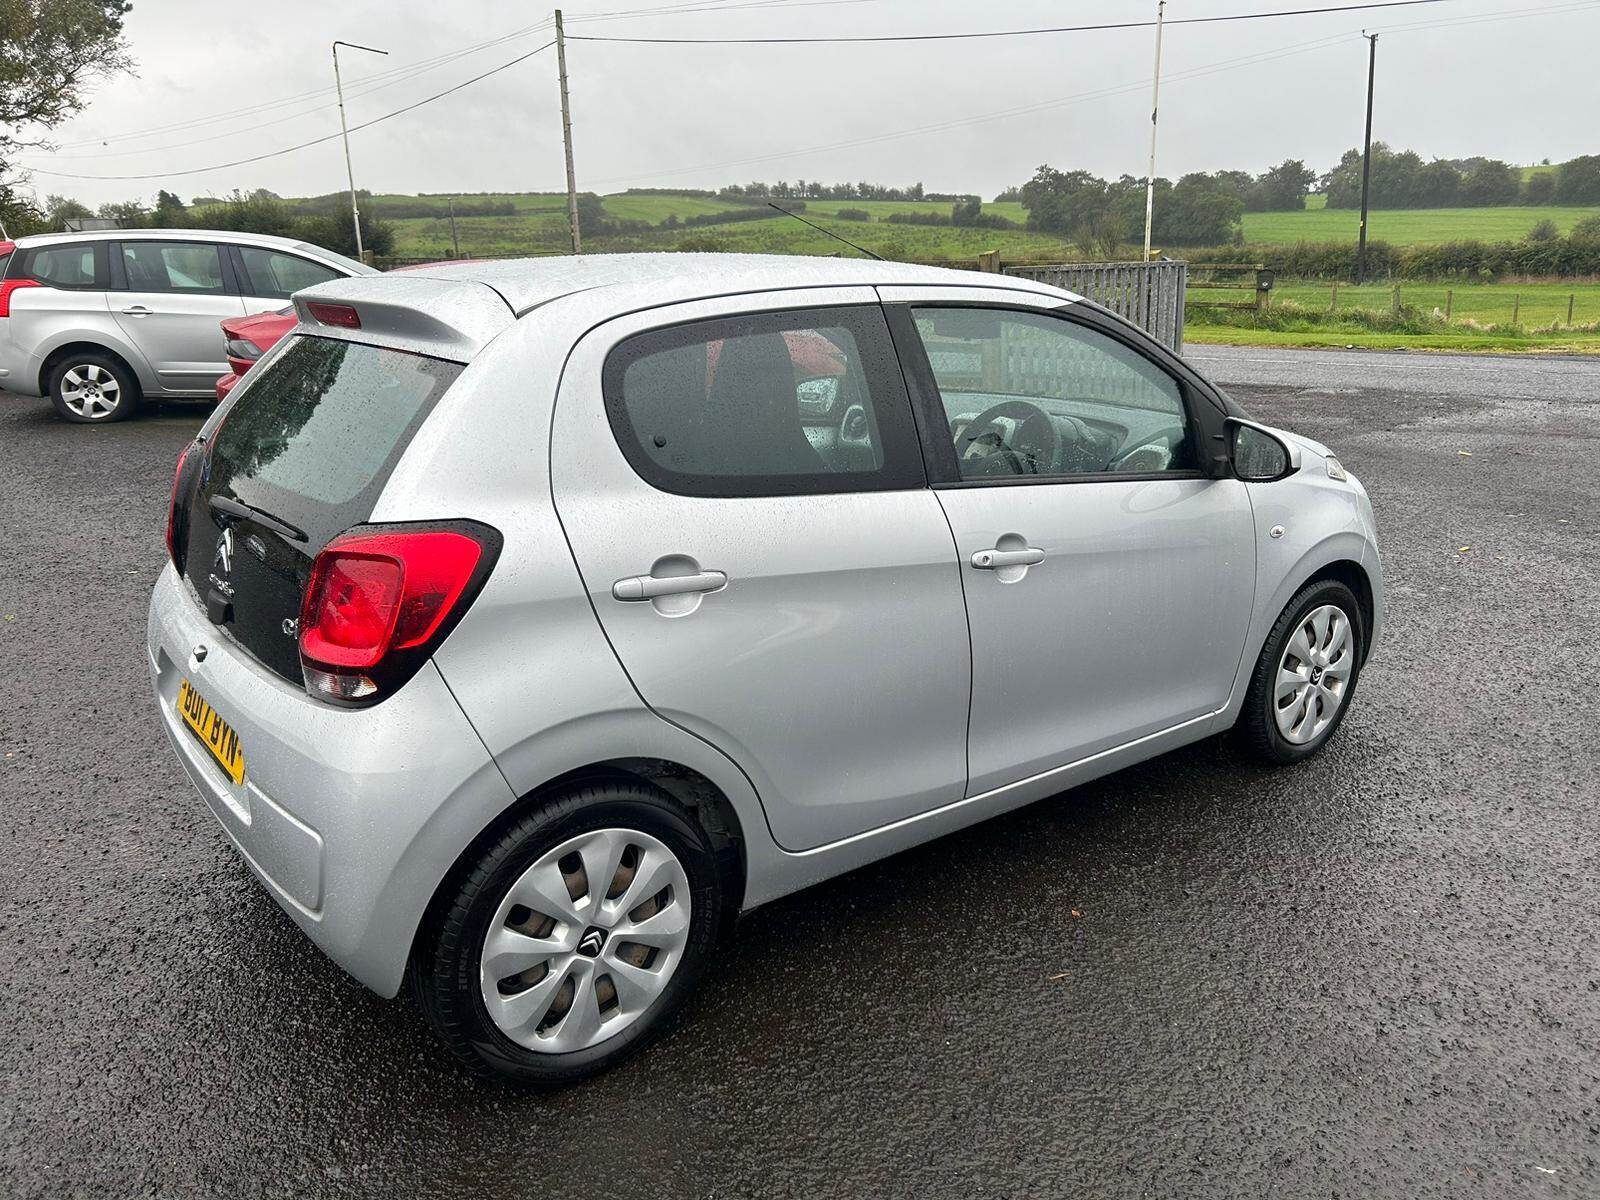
x=984 y=456
x=1153 y=453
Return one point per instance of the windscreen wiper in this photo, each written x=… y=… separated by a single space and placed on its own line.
x=238 y=508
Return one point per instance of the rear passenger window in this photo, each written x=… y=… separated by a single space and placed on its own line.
x=75 y=265
x=280 y=275
x=172 y=266
x=768 y=404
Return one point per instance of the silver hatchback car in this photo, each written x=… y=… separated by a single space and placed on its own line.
x=528 y=621
x=99 y=321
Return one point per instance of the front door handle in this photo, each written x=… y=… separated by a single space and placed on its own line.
x=994 y=560
x=137 y=310
x=649 y=587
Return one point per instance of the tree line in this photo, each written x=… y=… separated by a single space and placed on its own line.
x=1401 y=179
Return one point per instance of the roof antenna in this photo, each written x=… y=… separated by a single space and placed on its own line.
x=836 y=237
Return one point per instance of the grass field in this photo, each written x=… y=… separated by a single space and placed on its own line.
x=1481 y=318
x=540 y=223
x=1404 y=226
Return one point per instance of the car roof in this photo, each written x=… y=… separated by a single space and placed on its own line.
x=526 y=283
x=166 y=235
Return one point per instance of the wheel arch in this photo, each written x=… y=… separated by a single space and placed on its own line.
x=1354 y=576
x=54 y=356
x=710 y=805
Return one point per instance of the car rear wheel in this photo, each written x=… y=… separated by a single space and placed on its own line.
x=93 y=389
x=575 y=937
x=1306 y=674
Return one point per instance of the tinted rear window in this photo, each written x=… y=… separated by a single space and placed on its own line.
x=313 y=440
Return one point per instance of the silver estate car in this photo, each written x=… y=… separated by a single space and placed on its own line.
x=98 y=321
x=528 y=621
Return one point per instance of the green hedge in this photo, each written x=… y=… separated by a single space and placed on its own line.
x=1564 y=257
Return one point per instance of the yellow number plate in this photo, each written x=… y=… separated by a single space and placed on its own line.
x=214 y=733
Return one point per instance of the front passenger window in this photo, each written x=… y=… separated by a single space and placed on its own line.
x=1027 y=394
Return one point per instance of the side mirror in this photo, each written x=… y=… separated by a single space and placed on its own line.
x=1259 y=455
x=817 y=397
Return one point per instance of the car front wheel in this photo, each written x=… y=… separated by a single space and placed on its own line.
x=93 y=389
x=575 y=937
x=1306 y=674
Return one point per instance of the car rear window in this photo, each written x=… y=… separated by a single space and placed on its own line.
x=73 y=265
x=313 y=439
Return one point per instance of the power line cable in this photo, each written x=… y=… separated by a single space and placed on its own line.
x=387 y=76
x=997 y=33
x=304 y=145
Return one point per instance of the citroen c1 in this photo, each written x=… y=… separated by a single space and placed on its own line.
x=528 y=621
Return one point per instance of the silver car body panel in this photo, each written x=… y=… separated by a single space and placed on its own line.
x=174 y=346
x=547 y=675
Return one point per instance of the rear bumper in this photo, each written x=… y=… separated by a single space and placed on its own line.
x=342 y=813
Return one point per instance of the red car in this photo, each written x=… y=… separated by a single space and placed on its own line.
x=248 y=339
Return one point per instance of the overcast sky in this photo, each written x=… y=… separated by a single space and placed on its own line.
x=701 y=116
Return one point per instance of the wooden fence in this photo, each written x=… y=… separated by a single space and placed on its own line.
x=1151 y=295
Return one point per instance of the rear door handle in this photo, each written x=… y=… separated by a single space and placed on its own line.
x=137 y=310
x=648 y=587
x=993 y=560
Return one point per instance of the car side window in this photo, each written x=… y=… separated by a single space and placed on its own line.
x=194 y=267
x=1029 y=394
x=273 y=273
x=783 y=403
x=72 y=265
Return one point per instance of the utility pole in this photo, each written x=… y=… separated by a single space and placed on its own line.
x=344 y=130
x=1155 y=107
x=1366 y=157
x=455 y=244
x=566 y=137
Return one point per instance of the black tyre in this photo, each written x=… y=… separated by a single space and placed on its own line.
x=91 y=388
x=1306 y=675
x=574 y=937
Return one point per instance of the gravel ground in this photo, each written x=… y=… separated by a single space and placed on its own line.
x=1371 y=975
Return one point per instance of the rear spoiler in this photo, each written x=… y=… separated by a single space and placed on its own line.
x=440 y=317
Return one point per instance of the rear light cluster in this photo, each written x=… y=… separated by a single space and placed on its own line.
x=8 y=286
x=174 y=519
x=239 y=347
x=382 y=598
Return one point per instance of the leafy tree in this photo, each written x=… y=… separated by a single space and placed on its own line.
x=130 y=214
x=1540 y=188
x=1491 y=182
x=1579 y=180
x=19 y=216
x=1282 y=189
x=169 y=211
x=50 y=52
x=59 y=209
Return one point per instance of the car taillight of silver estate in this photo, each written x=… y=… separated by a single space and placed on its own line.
x=528 y=621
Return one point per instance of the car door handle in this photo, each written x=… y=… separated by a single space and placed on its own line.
x=137 y=310
x=993 y=560
x=648 y=587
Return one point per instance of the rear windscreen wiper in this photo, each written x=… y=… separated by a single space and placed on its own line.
x=238 y=508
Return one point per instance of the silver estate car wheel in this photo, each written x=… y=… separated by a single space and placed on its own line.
x=91 y=391
x=585 y=940
x=1314 y=674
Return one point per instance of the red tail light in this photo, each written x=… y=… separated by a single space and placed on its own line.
x=8 y=286
x=334 y=314
x=382 y=598
x=172 y=509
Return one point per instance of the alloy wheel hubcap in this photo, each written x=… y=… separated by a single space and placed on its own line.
x=1314 y=674
x=91 y=391
x=585 y=940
